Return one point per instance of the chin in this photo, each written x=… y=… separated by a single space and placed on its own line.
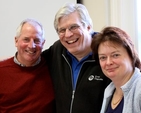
x=31 y=59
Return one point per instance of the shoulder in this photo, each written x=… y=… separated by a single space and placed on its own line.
x=6 y=62
x=137 y=77
x=57 y=45
x=56 y=48
x=135 y=84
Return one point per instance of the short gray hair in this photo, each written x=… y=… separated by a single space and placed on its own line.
x=32 y=22
x=70 y=8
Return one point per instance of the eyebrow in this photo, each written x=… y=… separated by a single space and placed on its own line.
x=68 y=26
x=110 y=53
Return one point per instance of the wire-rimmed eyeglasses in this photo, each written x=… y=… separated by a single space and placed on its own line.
x=71 y=28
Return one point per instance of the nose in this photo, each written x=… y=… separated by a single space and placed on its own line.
x=68 y=33
x=31 y=44
x=109 y=61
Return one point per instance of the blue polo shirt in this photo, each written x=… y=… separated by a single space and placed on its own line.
x=76 y=66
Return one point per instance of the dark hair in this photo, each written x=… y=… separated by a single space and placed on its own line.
x=118 y=36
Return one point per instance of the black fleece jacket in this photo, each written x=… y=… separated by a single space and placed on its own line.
x=88 y=95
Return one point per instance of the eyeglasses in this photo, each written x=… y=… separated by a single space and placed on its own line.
x=71 y=28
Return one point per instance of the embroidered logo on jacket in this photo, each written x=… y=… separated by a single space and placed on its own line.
x=96 y=77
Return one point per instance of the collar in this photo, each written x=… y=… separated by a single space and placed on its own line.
x=22 y=65
x=84 y=58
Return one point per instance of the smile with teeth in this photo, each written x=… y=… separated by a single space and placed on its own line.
x=30 y=52
x=72 y=41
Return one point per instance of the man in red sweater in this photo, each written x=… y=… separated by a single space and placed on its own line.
x=25 y=83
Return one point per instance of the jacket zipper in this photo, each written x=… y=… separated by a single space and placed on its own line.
x=72 y=98
x=73 y=92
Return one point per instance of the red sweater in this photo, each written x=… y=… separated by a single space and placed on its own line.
x=25 y=89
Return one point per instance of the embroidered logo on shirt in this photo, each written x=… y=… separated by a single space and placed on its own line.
x=96 y=77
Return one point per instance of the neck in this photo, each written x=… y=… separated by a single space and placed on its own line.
x=26 y=64
x=117 y=97
x=82 y=54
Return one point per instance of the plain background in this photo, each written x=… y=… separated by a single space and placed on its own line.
x=14 y=11
x=120 y=13
x=124 y=14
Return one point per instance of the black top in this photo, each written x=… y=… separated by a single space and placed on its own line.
x=118 y=109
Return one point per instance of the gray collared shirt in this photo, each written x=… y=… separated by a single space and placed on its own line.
x=17 y=62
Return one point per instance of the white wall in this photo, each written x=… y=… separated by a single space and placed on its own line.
x=120 y=13
x=98 y=12
x=14 y=11
x=139 y=26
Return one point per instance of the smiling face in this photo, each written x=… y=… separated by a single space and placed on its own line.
x=29 y=44
x=76 y=40
x=115 y=61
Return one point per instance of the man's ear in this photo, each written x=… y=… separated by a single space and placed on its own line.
x=43 y=42
x=16 y=40
x=88 y=27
